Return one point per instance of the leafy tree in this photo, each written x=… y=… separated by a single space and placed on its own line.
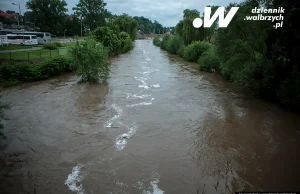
x=174 y=44
x=165 y=42
x=89 y=60
x=156 y=41
x=187 y=13
x=147 y=26
x=109 y=39
x=48 y=15
x=125 y=23
x=94 y=11
x=73 y=26
x=10 y=12
x=126 y=42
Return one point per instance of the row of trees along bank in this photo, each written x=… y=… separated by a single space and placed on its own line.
x=251 y=53
x=51 y=16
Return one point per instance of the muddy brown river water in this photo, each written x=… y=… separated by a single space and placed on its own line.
x=159 y=126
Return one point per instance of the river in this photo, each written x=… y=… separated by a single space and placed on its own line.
x=159 y=126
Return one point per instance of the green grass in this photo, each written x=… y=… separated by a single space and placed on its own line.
x=14 y=47
x=29 y=55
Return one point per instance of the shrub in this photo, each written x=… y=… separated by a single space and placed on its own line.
x=156 y=41
x=89 y=60
x=126 y=42
x=54 y=66
x=58 y=44
x=109 y=39
x=174 y=44
x=12 y=72
x=164 y=43
x=128 y=45
x=193 y=51
x=208 y=61
x=50 y=46
x=181 y=50
x=123 y=35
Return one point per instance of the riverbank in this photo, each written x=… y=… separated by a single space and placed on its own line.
x=203 y=54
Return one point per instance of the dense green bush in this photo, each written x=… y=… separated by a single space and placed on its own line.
x=156 y=41
x=180 y=51
x=109 y=39
x=193 y=51
x=209 y=61
x=54 y=66
x=174 y=44
x=18 y=72
x=13 y=73
x=128 y=45
x=165 y=41
x=124 y=23
x=50 y=46
x=58 y=44
x=126 y=42
x=89 y=60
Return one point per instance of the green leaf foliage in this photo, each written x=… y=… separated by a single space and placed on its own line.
x=193 y=51
x=89 y=61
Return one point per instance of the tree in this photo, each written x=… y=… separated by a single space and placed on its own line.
x=94 y=12
x=89 y=60
x=125 y=23
x=147 y=26
x=188 y=13
x=10 y=12
x=48 y=15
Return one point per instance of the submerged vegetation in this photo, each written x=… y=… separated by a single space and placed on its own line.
x=251 y=53
x=89 y=61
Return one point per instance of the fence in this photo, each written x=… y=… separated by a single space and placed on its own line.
x=29 y=55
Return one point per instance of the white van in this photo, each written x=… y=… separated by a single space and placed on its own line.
x=3 y=40
x=22 y=39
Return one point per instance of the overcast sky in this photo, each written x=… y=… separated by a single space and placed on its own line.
x=166 y=12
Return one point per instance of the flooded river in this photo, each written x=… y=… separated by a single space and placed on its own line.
x=158 y=127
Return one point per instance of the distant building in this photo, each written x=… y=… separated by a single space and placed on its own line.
x=8 y=15
x=70 y=17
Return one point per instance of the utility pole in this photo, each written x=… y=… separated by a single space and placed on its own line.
x=81 y=25
x=19 y=12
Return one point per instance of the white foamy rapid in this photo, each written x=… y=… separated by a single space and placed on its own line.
x=135 y=96
x=155 y=188
x=142 y=103
x=155 y=86
x=74 y=180
x=149 y=71
x=119 y=112
x=121 y=140
x=152 y=188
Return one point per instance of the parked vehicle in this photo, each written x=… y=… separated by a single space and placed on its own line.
x=3 y=40
x=42 y=37
x=22 y=39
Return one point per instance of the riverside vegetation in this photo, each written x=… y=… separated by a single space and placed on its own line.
x=251 y=53
x=88 y=58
